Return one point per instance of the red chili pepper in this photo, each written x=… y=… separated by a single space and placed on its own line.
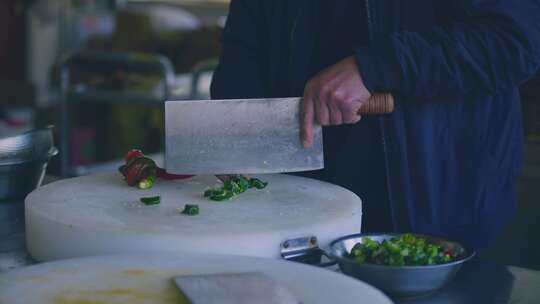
x=133 y=154
x=161 y=173
x=133 y=173
x=138 y=169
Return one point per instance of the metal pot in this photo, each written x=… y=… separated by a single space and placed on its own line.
x=399 y=281
x=23 y=162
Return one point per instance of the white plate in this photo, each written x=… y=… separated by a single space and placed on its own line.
x=147 y=279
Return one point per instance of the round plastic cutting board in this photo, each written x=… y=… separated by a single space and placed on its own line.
x=100 y=214
x=147 y=279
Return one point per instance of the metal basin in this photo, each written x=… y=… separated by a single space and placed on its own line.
x=23 y=162
x=399 y=281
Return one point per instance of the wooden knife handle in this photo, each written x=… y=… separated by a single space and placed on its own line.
x=378 y=104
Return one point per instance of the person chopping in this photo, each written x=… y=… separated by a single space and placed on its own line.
x=446 y=161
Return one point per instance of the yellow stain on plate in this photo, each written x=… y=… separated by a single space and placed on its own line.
x=40 y=279
x=168 y=295
x=136 y=273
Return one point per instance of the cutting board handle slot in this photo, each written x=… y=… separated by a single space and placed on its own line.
x=305 y=250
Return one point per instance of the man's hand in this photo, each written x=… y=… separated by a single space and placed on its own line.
x=333 y=97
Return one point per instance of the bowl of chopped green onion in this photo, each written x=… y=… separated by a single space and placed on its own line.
x=402 y=265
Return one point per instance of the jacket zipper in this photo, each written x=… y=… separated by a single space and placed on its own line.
x=371 y=32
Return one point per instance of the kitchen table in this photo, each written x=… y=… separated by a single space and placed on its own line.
x=477 y=282
x=486 y=282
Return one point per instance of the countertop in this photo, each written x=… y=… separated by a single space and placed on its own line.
x=487 y=282
x=478 y=281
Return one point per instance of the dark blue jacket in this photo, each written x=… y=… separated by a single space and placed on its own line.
x=453 y=147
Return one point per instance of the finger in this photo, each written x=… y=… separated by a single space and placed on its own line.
x=350 y=113
x=351 y=118
x=306 y=133
x=322 y=113
x=336 y=117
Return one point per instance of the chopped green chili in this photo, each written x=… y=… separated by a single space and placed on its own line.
x=257 y=183
x=405 y=250
x=149 y=201
x=191 y=210
x=234 y=186
x=147 y=183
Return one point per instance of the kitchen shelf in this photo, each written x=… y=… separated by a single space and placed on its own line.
x=104 y=63
x=115 y=97
x=170 y=86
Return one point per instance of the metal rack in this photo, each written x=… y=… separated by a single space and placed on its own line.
x=97 y=61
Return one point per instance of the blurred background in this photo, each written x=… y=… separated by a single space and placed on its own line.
x=100 y=70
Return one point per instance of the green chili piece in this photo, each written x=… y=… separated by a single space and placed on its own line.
x=243 y=183
x=209 y=192
x=191 y=210
x=147 y=183
x=400 y=251
x=234 y=186
x=257 y=183
x=149 y=201
x=221 y=195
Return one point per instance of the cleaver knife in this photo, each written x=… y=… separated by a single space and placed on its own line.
x=234 y=288
x=245 y=136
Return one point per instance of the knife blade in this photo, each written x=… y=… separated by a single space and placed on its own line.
x=244 y=136
x=238 y=137
x=234 y=288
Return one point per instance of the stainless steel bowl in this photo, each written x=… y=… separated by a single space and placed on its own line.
x=399 y=281
x=23 y=162
x=26 y=147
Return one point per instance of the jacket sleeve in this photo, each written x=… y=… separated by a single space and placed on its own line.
x=239 y=74
x=492 y=46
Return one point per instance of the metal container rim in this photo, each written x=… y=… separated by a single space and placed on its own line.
x=469 y=252
x=53 y=151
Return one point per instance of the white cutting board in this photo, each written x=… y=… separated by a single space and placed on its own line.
x=147 y=279
x=100 y=214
